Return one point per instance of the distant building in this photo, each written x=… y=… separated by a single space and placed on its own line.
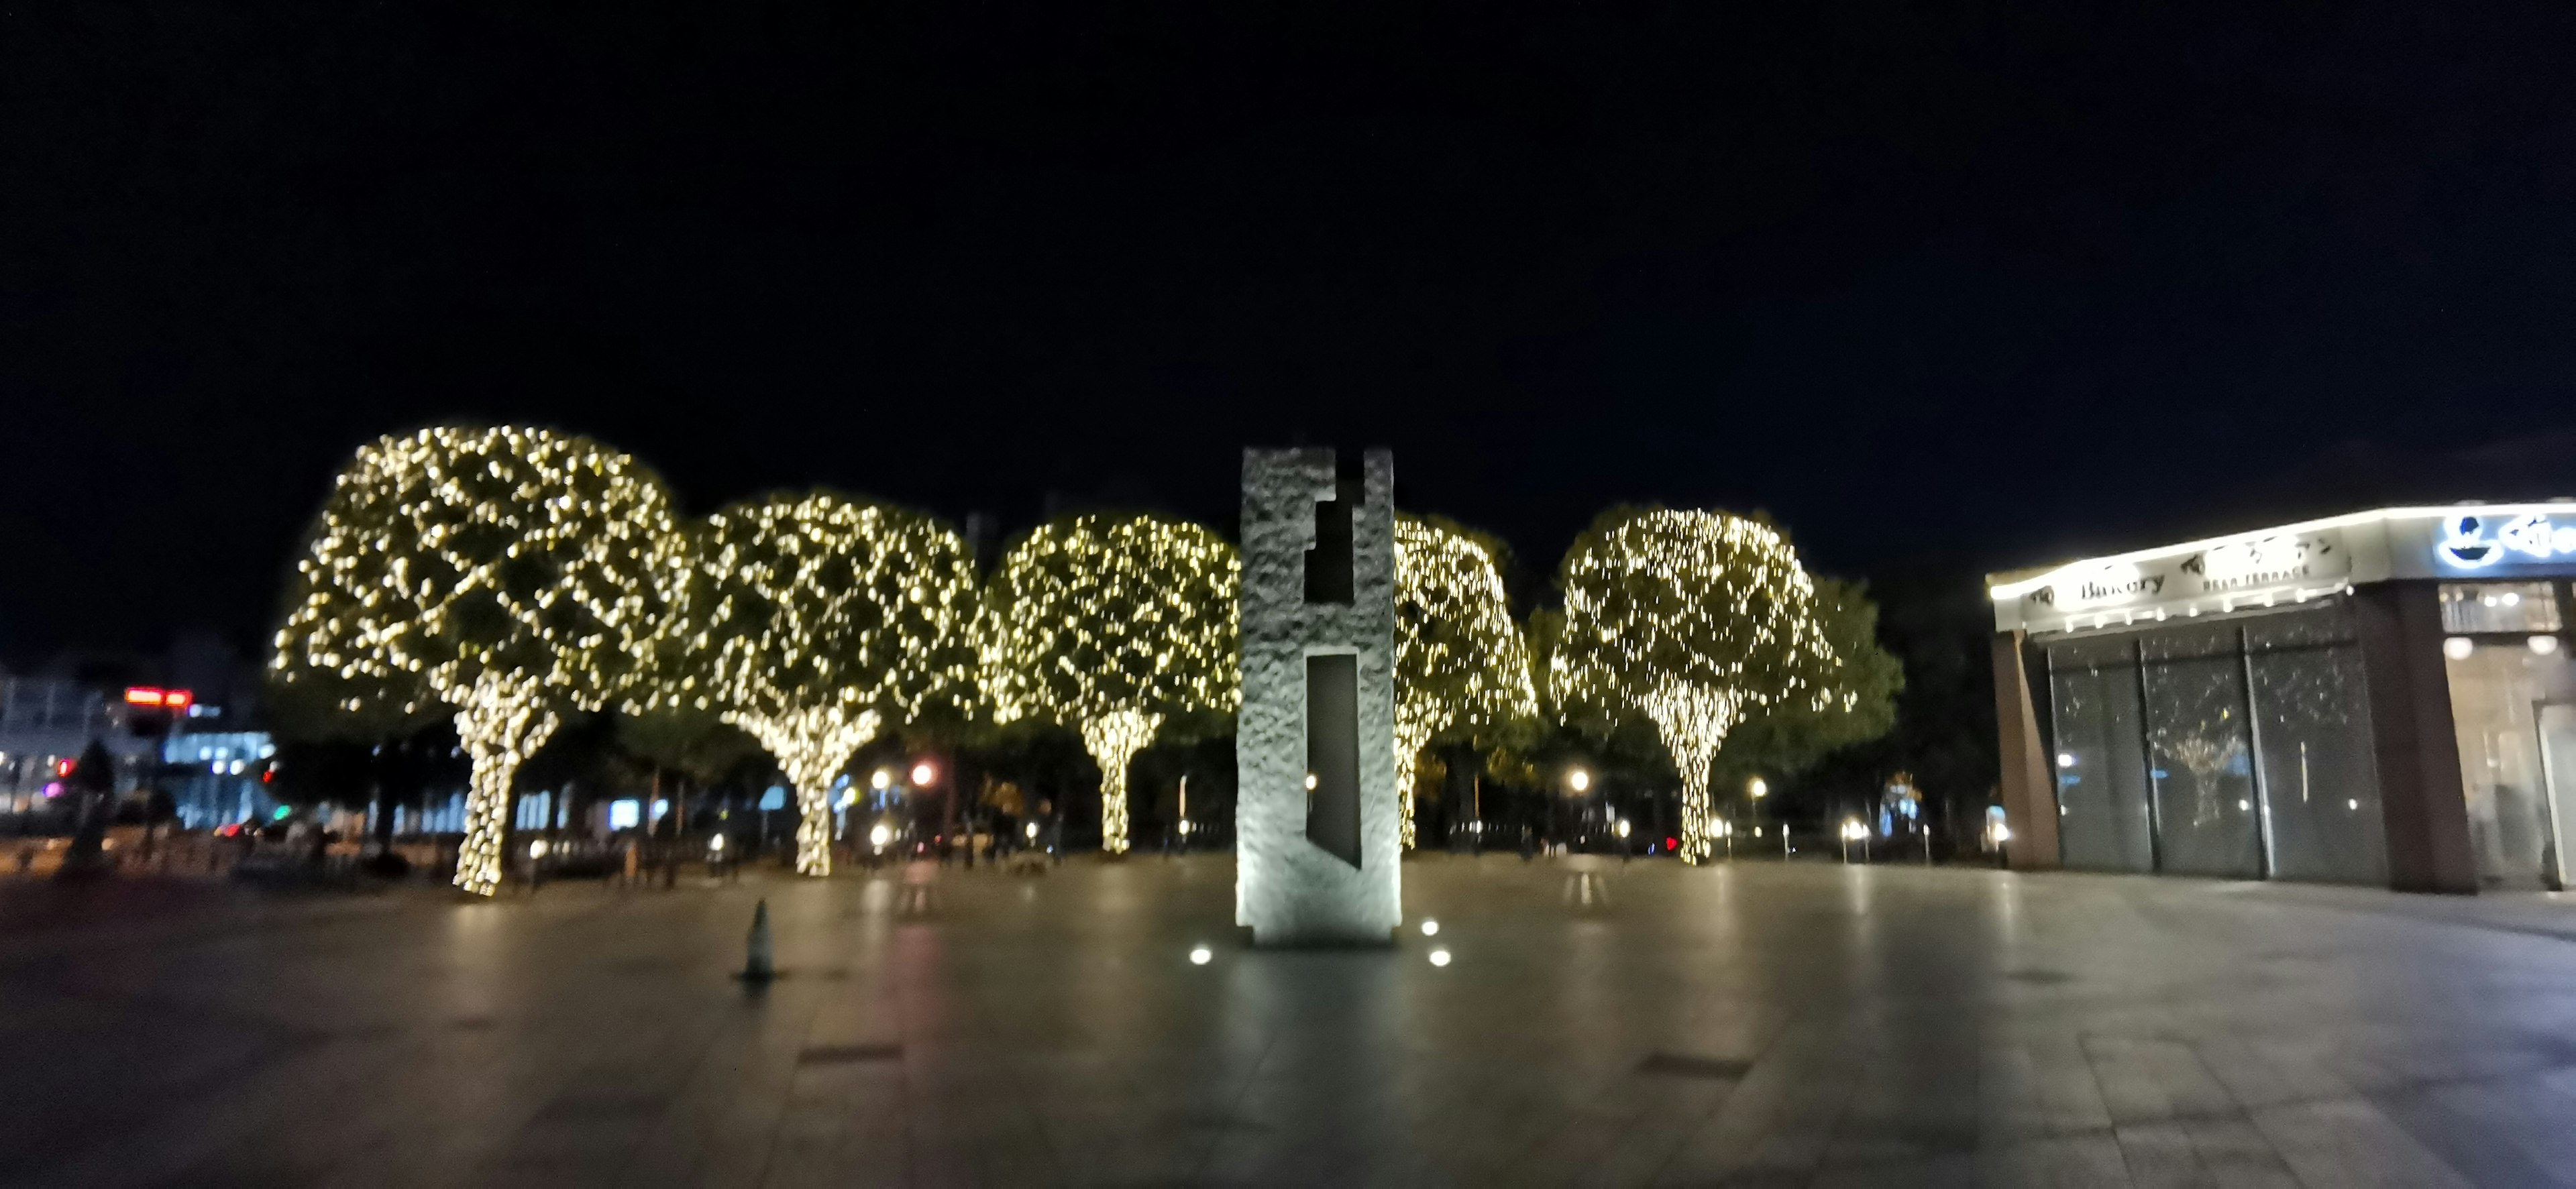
x=219 y=777
x=45 y=724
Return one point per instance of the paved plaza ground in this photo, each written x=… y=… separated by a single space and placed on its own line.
x=1596 y=1023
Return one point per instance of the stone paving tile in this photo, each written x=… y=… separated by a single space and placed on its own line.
x=2350 y=1142
x=1754 y=1025
x=2067 y=1161
x=2234 y=1155
x=2161 y=1156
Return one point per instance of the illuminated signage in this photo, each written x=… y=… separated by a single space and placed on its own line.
x=2246 y=568
x=168 y=699
x=2474 y=541
x=2105 y=586
x=2292 y=564
x=2264 y=562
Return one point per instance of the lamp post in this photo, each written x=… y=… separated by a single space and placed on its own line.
x=1578 y=781
x=925 y=776
x=1754 y=790
x=1854 y=830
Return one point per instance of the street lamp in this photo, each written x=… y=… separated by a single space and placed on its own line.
x=1754 y=790
x=1579 y=782
x=923 y=774
x=881 y=779
x=1854 y=830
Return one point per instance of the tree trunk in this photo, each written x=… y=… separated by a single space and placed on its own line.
x=1113 y=741
x=679 y=832
x=487 y=824
x=1413 y=732
x=384 y=821
x=501 y=725
x=1693 y=722
x=88 y=855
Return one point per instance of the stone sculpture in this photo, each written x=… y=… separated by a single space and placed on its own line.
x=1316 y=816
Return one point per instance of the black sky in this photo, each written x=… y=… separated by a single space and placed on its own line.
x=1987 y=281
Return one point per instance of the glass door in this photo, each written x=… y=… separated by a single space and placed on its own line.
x=2558 y=772
x=2200 y=744
x=2104 y=819
x=2497 y=690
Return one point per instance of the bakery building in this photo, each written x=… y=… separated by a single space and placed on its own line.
x=2381 y=698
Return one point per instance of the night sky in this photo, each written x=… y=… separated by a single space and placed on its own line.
x=1988 y=283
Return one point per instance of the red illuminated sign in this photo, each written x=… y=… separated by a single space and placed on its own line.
x=167 y=699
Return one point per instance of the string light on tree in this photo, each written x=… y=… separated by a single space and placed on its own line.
x=1460 y=661
x=1113 y=739
x=1112 y=625
x=503 y=575
x=1692 y=619
x=812 y=622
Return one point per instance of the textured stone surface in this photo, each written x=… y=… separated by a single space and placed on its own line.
x=1289 y=890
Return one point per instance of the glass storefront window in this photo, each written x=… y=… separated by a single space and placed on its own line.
x=2100 y=766
x=2314 y=747
x=2514 y=709
x=2469 y=608
x=2201 y=745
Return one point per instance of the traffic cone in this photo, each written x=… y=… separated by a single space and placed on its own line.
x=759 y=963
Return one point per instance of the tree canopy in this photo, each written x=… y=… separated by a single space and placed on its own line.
x=1793 y=735
x=1692 y=620
x=812 y=622
x=507 y=575
x=1110 y=625
x=1460 y=662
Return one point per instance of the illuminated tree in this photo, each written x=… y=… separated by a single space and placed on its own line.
x=1112 y=625
x=506 y=576
x=1692 y=620
x=1792 y=735
x=1459 y=659
x=812 y=622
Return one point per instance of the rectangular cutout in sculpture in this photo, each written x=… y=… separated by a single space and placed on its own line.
x=1317 y=865
x=1328 y=560
x=1333 y=755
